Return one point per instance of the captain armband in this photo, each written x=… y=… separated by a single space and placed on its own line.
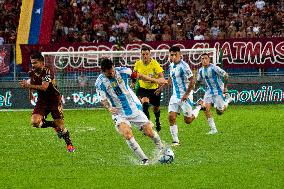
x=47 y=78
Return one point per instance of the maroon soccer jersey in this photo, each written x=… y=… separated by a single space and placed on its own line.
x=45 y=75
x=49 y=101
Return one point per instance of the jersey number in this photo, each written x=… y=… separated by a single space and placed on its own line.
x=117 y=91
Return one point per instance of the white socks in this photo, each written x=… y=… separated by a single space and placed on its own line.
x=133 y=145
x=228 y=100
x=157 y=140
x=174 y=133
x=211 y=123
x=195 y=112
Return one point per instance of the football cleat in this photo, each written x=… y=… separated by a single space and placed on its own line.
x=175 y=144
x=70 y=148
x=144 y=162
x=212 y=132
x=228 y=98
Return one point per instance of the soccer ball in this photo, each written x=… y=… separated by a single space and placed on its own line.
x=167 y=157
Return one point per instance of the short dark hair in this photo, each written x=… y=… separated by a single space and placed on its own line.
x=203 y=54
x=37 y=55
x=145 y=48
x=174 y=49
x=106 y=64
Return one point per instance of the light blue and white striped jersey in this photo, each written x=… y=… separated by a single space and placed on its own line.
x=118 y=92
x=180 y=74
x=213 y=78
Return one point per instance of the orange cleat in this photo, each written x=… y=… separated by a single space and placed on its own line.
x=70 y=148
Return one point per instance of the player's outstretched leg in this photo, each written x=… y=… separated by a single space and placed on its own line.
x=125 y=130
x=148 y=131
x=52 y=124
x=62 y=132
x=213 y=129
x=135 y=147
x=174 y=133
x=174 y=128
x=66 y=137
x=212 y=126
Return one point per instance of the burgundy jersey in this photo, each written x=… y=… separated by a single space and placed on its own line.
x=45 y=75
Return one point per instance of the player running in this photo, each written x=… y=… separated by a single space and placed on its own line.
x=117 y=97
x=49 y=99
x=182 y=81
x=215 y=89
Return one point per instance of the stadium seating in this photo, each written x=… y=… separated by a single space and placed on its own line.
x=148 y=20
x=127 y=21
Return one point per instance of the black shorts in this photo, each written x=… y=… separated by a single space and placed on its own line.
x=149 y=93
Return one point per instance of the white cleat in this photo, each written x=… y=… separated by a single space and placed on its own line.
x=175 y=144
x=212 y=132
x=144 y=162
x=228 y=99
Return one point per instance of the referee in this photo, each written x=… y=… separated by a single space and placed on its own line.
x=149 y=92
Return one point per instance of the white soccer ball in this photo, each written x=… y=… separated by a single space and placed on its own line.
x=167 y=157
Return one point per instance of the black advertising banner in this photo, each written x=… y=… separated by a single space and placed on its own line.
x=78 y=97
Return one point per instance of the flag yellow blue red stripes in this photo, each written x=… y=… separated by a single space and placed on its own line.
x=24 y=27
x=35 y=24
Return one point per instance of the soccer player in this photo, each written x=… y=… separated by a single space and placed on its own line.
x=215 y=89
x=148 y=92
x=112 y=85
x=182 y=81
x=49 y=99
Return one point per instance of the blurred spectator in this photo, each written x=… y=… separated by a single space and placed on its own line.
x=241 y=33
x=207 y=35
x=260 y=4
x=113 y=37
x=123 y=25
x=198 y=35
x=166 y=36
x=150 y=36
x=1 y=38
x=215 y=29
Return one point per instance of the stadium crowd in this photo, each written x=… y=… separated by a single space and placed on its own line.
x=124 y=21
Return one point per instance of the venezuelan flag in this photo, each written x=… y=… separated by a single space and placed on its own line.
x=35 y=24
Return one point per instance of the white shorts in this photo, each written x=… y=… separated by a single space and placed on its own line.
x=139 y=119
x=217 y=100
x=176 y=105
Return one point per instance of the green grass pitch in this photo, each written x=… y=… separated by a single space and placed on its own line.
x=248 y=152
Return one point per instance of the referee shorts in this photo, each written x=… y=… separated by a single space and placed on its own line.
x=149 y=93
